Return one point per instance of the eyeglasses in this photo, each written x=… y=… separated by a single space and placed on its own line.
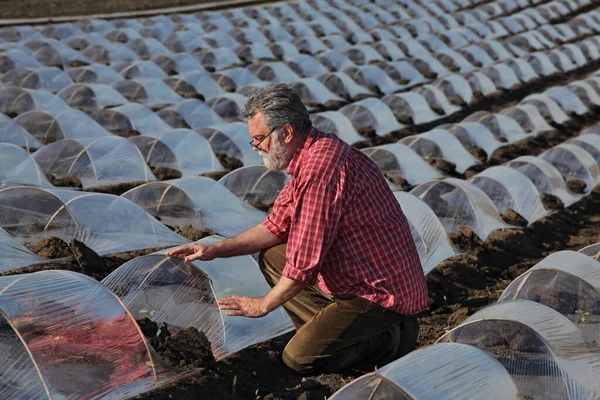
x=261 y=140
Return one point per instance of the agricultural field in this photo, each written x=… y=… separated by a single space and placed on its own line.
x=120 y=138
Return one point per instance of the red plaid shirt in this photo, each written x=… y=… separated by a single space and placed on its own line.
x=345 y=229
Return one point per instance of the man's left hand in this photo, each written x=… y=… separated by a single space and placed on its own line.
x=251 y=307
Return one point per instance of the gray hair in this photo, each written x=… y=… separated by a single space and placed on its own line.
x=280 y=105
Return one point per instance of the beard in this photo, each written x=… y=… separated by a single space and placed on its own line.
x=280 y=155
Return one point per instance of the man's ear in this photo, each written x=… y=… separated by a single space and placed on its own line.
x=288 y=133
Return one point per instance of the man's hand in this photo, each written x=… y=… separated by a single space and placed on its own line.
x=244 y=306
x=194 y=251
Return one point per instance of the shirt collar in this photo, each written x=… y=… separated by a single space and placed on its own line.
x=294 y=167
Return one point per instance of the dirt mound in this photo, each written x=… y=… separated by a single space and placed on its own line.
x=117 y=189
x=67 y=181
x=443 y=165
x=188 y=348
x=397 y=180
x=215 y=175
x=577 y=185
x=52 y=247
x=514 y=218
x=88 y=260
x=551 y=202
x=263 y=206
x=193 y=233
x=465 y=238
x=230 y=163
x=163 y=173
x=478 y=153
x=457 y=317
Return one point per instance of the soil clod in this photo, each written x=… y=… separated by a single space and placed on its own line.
x=466 y=239
x=52 y=247
x=88 y=260
x=67 y=181
x=577 y=185
x=552 y=202
x=514 y=218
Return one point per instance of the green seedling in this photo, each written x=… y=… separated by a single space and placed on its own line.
x=147 y=313
x=581 y=316
x=234 y=384
x=258 y=397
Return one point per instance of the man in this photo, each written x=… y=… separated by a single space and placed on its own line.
x=339 y=253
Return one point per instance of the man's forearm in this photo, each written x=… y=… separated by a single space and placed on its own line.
x=247 y=242
x=285 y=290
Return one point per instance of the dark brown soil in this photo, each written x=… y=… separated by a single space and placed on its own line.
x=444 y=166
x=266 y=207
x=68 y=181
x=163 y=173
x=577 y=186
x=229 y=163
x=551 y=202
x=117 y=189
x=193 y=233
x=52 y=247
x=514 y=218
x=216 y=175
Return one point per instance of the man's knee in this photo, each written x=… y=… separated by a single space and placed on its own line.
x=300 y=361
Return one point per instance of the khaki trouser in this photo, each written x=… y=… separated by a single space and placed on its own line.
x=337 y=332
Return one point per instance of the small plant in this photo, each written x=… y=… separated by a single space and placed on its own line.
x=581 y=316
x=234 y=384
x=147 y=313
x=258 y=396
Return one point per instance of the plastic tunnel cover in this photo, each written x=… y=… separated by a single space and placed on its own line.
x=186 y=294
x=545 y=353
x=371 y=115
x=17 y=167
x=231 y=139
x=529 y=118
x=15 y=255
x=445 y=146
x=503 y=127
x=437 y=99
x=508 y=188
x=198 y=114
x=255 y=183
x=95 y=162
x=411 y=108
x=593 y=251
x=544 y=176
x=107 y=224
x=344 y=86
x=547 y=107
x=458 y=203
x=399 y=159
x=475 y=134
x=567 y=100
x=194 y=154
x=427 y=231
x=573 y=162
x=143 y=119
x=337 y=123
x=197 y=201
x=443 y=370
x=81 y=341
x=567 y=282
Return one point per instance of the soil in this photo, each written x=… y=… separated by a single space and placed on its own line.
x=514 y=218
x=577 y=186
x=266 y=207
x=192 y=233
x=117 y=189
x=52 y=247
x=67 y=181
x=163 y=173
x=229 y=163
x=216 y=175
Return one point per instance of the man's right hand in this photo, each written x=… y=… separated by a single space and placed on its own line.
x=194 y=251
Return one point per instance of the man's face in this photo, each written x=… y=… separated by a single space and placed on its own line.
x=271 y=145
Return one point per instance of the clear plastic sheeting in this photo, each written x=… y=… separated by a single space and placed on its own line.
x=504 y=128
x=545 y=177
x=255 y=183
x=593 y=251
x=545 y=353
x=590 y=143
x=573 y=162
x=316 y=95
x=457 y=89
x=567 y=282
x=105 y=223
x=198 y=114
x=443 y=370
x=227 y=107
x=17 y=167
x=370 y=115
x=142 y=119
x=567 y=100
x=510 y=189
x=373 y=78
x=186 y=295
x=410 y=108
x=95 y=162
x=398 y=159
x=66 y=336
x=338 y=123
x=431 y=240
x=15 y=256
x=13 y=133
x=15 y=101
x=547 y=107
x=197 y=201
x=458 y=203
x=180 y=149
x=344 y=86
x=437 y=100
x=475 y=134
x=441 y=144
x=232 y=140
x=529 y=118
